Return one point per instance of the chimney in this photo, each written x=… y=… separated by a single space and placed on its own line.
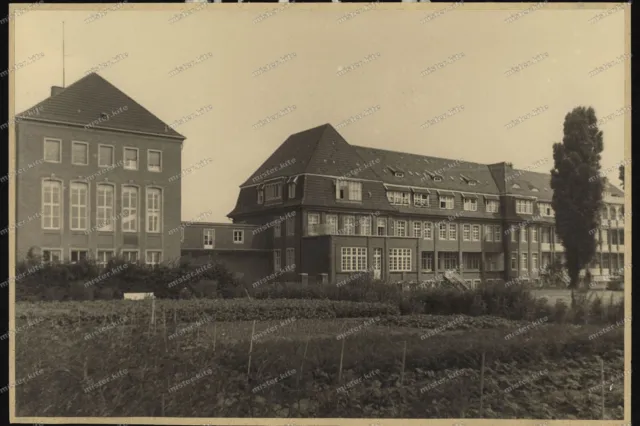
x=56 y=89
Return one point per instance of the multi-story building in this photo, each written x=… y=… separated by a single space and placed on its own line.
x=93 y=177
x=335 y=210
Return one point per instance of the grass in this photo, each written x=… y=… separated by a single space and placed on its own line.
x=565 y=295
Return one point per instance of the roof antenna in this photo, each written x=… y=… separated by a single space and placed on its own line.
x=63 y=54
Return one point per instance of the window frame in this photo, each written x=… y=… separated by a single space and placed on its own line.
x=354 y=258
x=60 y=205
x=78 y=250
x=472 y=203
x=427 y=225
x=124 y=158
x=73 y=206
x=52 y=249
x=149 y=151
x=426 y=258
x=159 y=212
x=239 y=232
x=103 y=250
x=400 y=259
x=125 y=251
x=277 y=259
x=146 y=257
x=208 y=233
x=87 y=156
x=123 y=191
x=109 y=218
x=44 y=149
x=446 y=199
x=113 y=155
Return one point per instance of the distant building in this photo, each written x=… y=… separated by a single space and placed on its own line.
x=92 y=180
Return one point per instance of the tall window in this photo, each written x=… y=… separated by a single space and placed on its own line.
x=421 y=200
x=313 y=222
x=348 y=190
x=442 y=231
x=105 y=156
x=400 y=260
x=332 y=223
x=401 y=228
x=466 y=232
x=277 y=260
x=130 y=256
x=472 y=260
x=545 y=209
x=277 y=229
x=525 y=261
x=514 y=262
x=273 y=191
x=365 y=225
x=104 y=256
x=399 y=198
x=426 y=261
x=534 y=234
x=523 y=234
x=154 y=160
x=488 y=232
x=498 y=233
x=292 y=190
x=209 y=238
x=79 y=255
x=471 y=204
x=291 y=226
x=428 y=230
x=512 y=231
x=524 y=206
x=104 y=207
x=154 y=257
x=79 y=206
x=453 y=231
x=381 y=226
x=53 y=150
x=260 y=195
x=129 y=209
x=545 y=235
x=534 y=262
x=605 y=236
x=349 y=225
x=475 y=232
x=51 y=255
x=154 y=209
x=291 y=257
x=51 y=204
x=354 y=259
x=417 y=229
x=79 y=153
x=238 y=236
x=448 y=260
x=492 y=206
x=131 y=158
x=446 y=202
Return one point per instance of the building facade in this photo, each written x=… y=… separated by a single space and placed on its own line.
x=333 y=210
x=93 y=177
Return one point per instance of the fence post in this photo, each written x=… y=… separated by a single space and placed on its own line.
x=404 y=355
x=253 y=330
x=341 y=358
x=482 y=384
x=602 y=380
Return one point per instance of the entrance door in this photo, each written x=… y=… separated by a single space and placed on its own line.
x=377 y=263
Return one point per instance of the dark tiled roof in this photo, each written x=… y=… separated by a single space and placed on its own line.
x=83 y=102
x=530 y=184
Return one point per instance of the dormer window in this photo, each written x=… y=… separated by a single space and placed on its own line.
x=398 y=174
x=260 y=195
x=534 y=190
x=273 y=191
x=348 y=190
x=292 y=190
x=437 y=179
x=472 y=183
x=515 y=186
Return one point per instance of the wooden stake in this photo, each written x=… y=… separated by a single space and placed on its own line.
x=85 y=369
x=253 y=330
x=153 y=305
x=304 y=356
x=341 y=359
x=215 y=326
x=602 y=380
x=164 y=324
x=482 y=384
x=404 y=355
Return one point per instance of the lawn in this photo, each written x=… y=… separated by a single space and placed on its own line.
x=564 y=294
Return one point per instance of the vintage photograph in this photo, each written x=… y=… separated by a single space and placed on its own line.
x=296 y=214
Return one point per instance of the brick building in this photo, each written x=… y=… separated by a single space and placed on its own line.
x=93 y=169
x=330 y=210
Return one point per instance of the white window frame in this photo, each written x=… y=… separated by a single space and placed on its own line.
x=277 y=260
x=381 y=222
x=497 y=237
x=417 y=229
x=52 y=250
x=348 y=190
x=146 y=257
x=512 y=231
x=488 y=232
x=86 y=145
x=290 y=224
x=113 y=155
x=534 y=234
x=514 y=259
x=99 y=260
x=238 y=233
x=125 y=164
x=313 y=223
x=534 y=262
x=44 y=150
x=427 y=261
x=291 y=189
x=400 y=260
x=397 y=227
x=428 y=230
x=472 y=260
x=524 y=206
x=450 y=259
x=209 y=235
x=348 y=225
x=136 y=215
x=421 y=200
x=475 y=233
x=470 y=204
x=449 y=201
x=453 y=232
x=332 y=224
x=108 y=223
x=60 y=186
x=492 y=206
x=260 y=195
x=466 y=232
x=155 y=151
x=441 y=230
x=78 y=250
x=290 y=256
x=277 y=229
x=154 y=213
x=364 y=225
x=523 y=234
x=524 y=266
x=273 y=191
x=125 y=252
x=79 y=208
x=353 y=259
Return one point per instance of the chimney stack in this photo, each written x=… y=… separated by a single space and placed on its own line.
x=56 y=89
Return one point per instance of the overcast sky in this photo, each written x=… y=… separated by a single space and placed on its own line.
x=314 y=80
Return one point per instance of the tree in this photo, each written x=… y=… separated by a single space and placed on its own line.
x=577 y=197
x=621 y=175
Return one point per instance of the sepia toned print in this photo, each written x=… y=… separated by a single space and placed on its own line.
x=308 y=214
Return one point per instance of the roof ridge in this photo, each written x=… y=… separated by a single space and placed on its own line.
x=418 y=155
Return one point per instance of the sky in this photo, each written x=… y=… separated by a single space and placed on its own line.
x=444 y=84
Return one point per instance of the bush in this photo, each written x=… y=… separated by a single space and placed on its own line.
x=615 y=285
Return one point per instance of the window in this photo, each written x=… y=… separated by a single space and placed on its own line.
x=512 y=231
x=130 y=256
x=51 y=204
x=545 y=235
x=105 y=156
x=534 y=262
x=104 y=256
x=475 y=233
x=399 y=260
x=605 y=261
x=605 y=212
x=260 y=195
x=277 y=260
x=238 y=236
x=514 y=262
x=472 y=260
x=446 y=202
x=488 y=232
x=399 y=198
x=382 y=226
x=428 y=231
x=497 y=234
x=79 y=255
x=437 y=179
x=401 y=228
x=209 y=238
x=154 y=257
x=534 y=234
x=277 y=229
x=365 y=225
x=51 y=255
x=154 y=160
x=471 y=204
x=291 y=257
x=605 y=236
x=129 y=209
x=525 y=261
x=354 y=259
x=104 y=207
x=421 y=200
x=545 y=209
x=131 y=158
x=273 y=191
x=292 y=190
x=492 y=206
x=523 y=234
x=79 y=206
x=348 y=225
x=466 y=232
x=442 y=231
x=348 y=190
x=417 y=229
x=453 y=231
x=524 y=206
x=332 y=223
x=614 y=237
x=79 y=153
x=154 y=210
x=313 y=222
x=52 y=150
x=492 y=261
x=448 y=260
x=426 y=261
x=290 y=225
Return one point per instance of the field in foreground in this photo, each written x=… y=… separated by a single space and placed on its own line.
x=547 y=371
